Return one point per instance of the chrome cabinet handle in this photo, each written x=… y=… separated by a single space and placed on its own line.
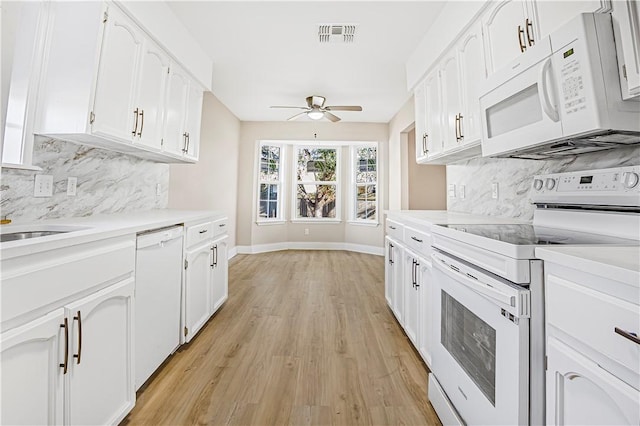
x=79 y=319
x=215 y=256
x=203 y=231
x=416 y=239
x=141 y=122
x=529 y=24
x=392 y=227
x=222 y=225
x=457 y=127
x=627 y=335
x=186 y=150
x=460 y=126
x=135 y=128
x=390 y=253
x=413 y=273
x=523 y=47
x=416 y=279
x=65 y=365
x=184 y=145
x=212 y=257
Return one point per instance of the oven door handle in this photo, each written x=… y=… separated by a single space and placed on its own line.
x=473 y=284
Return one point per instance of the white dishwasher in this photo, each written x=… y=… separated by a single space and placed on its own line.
x=157 y=299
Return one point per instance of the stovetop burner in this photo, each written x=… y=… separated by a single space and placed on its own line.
x=528 y=235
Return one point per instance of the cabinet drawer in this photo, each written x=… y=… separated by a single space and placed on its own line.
x=198 y=233
x=395 y=229
x=591 y=317
x=220 y=226
x=418 y=241
x=34 y=283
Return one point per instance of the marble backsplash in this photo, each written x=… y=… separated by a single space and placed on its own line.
x=514 y=178
x=108 y=182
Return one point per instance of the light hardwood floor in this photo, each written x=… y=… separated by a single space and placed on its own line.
x=305 y=338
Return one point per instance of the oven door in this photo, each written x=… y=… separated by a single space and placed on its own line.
x=481 y=354
x=520 y=108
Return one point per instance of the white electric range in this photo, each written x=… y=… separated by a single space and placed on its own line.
x=488 y=360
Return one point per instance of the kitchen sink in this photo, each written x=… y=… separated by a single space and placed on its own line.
x=20 y=233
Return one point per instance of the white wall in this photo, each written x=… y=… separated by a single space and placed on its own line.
x=251 y=234
x=211 y=183
x=399 y=125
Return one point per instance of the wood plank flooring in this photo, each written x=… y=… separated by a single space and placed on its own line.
x=305 y=338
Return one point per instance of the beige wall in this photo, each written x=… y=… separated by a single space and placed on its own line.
x=250 y=234
x=211 y=183
x=427 y=184
x=399 y=125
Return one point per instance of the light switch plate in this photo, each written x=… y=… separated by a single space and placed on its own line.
x=461 y=193
x=43 y=186
x=452 y=190
x=494 y=190
x=72 y=184
x=158 y=189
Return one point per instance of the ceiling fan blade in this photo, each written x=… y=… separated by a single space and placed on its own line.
x=331 y=117
x=280 y=106
x=343 y=108
x=296 y=116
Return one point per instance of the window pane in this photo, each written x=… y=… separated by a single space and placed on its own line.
x=366 y=202
x=268 y=205
x=366 y=165
x=317 y=165
x=316 y=201
x=270 y=163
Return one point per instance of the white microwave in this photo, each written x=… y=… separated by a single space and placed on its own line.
x=561 y=97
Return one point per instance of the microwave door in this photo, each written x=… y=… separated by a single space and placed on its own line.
x=522 y=112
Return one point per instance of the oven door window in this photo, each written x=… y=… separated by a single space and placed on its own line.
x=471 y=342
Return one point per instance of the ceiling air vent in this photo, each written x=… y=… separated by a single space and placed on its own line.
x=333 y=33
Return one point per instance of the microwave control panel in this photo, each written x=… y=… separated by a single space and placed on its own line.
x=573 y=91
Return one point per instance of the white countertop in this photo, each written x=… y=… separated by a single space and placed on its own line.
x=445 y=217
x=616 y=263
x=98 y=227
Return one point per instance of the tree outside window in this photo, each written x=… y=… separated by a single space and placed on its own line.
x=365 y=202
x=317 y=189
x=270 y=183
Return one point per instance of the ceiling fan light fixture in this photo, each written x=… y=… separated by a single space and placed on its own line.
x=315 y=115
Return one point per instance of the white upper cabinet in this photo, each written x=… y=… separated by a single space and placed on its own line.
x=472 y=75
x=626 y=27
x=108 y=84
x=504 y=28
x=450 y=79
x=113 y=108
x=548 y=16
x=433 y=122
x=193 y=120
x=152 y=81
x=420 y=110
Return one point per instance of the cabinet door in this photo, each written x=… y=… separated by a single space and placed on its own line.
x=450 y=81
x=100 y=384
x=472 y=76
x=219 y=274
x=389 y=270
x=425 y=311
x=113 y=105
x=398 y=283
x=193 y=120
x=626 y=26
x=420 y=105
x=411 y=297
x=548 y=16
x=197 y=291
x=32 y=383
x=152 y=81
x=504 y=33
x=433 y=113
x=580 y=392
x=175 y=141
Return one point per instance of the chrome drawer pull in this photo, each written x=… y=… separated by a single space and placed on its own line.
x=628 y=335
x=416 y=239
x=203 y=231
x=392 y=227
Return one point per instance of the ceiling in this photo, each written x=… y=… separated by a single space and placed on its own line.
x=268 y=53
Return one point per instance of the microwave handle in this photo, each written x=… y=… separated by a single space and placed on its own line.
x=545 y=98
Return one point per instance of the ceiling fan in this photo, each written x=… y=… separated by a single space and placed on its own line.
x=316 y=110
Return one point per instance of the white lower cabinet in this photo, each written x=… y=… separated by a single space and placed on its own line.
x=580 y=392
x=100 y=384
x=393 y=276
x=425 y=311
x=32 y=378
x=412 y=291
x=219 y=273
x=197 y=288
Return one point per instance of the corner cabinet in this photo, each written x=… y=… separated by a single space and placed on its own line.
x=107 y=83
x=626 y=28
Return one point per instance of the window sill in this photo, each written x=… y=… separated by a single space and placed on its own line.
x=270 y=222
x=363 y=223
x=21 y=167
x=318 y=221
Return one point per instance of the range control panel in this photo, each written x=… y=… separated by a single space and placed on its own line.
x=617 y=186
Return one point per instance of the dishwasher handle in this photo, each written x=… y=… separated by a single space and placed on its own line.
x=158 y=237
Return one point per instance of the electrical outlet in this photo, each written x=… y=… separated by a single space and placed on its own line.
x=158 y=190
x=72 y=184
x=461 y=193
x=43 y=186
x=452 y=190
x=494 y=190
x=306 y=231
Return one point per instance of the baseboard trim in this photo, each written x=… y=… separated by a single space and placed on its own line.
x=232 y=252
x=297 y=245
